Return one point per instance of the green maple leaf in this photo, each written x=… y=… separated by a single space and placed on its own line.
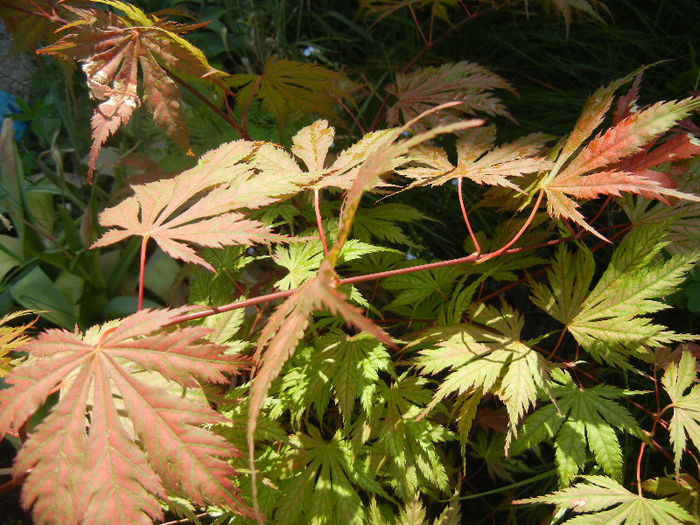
x=609 y=321
x=592 y=497
x=686 y=407
x=323 y=487
x=487 y=356
x=286 y=87
x=582 y=418
x=405 y=450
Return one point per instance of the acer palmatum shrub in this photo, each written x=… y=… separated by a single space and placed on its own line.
x=321 y=372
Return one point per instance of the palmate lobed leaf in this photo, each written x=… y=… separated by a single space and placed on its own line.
x=685 y=422
x=287 y=87
x=487 y=355
x=113 y=443
x=597 y=493
x=224 y=180
x=464 y=82
x=609 y=321
x=478 y=160
x=605 y=165
x=581 y=418
x=111 y=48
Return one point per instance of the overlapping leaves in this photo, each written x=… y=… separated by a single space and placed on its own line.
x=598 y=167
x=287 y=87
x=222 y=181
x=116 y=441
x=487 y=356
x=465 y=82
x=610 y=321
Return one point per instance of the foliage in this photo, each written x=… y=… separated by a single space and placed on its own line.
x=332 y=370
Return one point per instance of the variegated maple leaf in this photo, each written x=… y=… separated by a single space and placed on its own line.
x=311 y=145
x=167 y=211
x=465 y=82
x=478 y=160
x=119 y=438
x=111 y=48
x=598 y=167
x=286 y=87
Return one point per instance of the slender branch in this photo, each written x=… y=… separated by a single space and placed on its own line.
x=553 y=242
x=601 y=209
x=367 y=277
x=250 y=100
x=319 y=222
x=351 y=114
x=142 y=269
x=464 y=216
x=517 y=236
x=420 y=30
x=209 y=104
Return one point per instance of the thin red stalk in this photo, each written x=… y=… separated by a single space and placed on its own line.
x=517 y=235
x=210 y=105
x=601 y=209
x=558 y=343
x=554 y=242
x=464 y=215
x=415 y=21
x=13 y=483
x=352 y=115
x=250 y=100
x=142 y=269
x=319 y=222
x=350 y=280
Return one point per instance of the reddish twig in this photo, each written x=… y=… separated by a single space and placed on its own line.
x=517 y=236
x=142 y=269
x=250 y=100
x=319 y=222
x=209 y=104
x=477 y=248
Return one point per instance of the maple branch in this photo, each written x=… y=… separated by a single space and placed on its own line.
x=351 y=114
x=464 y=215
x=142 y=268
x=319 y=222
x=595 y=217
x=209 y=104
x=250 y=99
x=415 y=21
x=380 y=275
x=510 y=243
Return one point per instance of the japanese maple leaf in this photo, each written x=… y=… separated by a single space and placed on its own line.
x=111 y=48
x=222 y=181
x=311 y=145
x=599 y=499
x=464 y=82
x=588 y=171
x=286 y=87
x=685 y=422
x=478 y=160
x=488 y=356
x=118 y=438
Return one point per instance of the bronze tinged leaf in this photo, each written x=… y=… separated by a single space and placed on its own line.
x=117 y=439
x=111 y=48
